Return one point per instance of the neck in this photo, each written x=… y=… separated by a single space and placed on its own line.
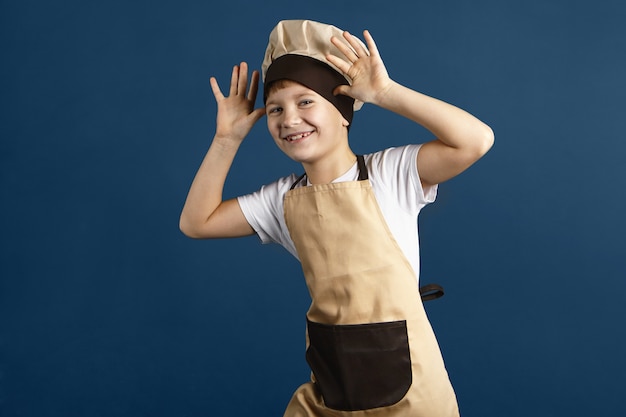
x=330 y=168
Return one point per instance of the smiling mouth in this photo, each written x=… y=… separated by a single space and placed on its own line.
x=297 y=136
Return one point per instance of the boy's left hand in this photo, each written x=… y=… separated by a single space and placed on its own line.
x=370 y=80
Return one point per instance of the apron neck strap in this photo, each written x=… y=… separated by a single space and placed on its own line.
x=296 y=182
x=363 y=174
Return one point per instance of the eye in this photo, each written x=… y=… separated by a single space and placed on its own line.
x=274 y=110
x=306 y=102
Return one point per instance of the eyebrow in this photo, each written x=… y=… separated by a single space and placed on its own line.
x=298 y=95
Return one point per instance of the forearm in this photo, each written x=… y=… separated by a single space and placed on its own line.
x=205 y=193
x=451 y=125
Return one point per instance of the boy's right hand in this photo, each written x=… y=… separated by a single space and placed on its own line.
x=236 y=113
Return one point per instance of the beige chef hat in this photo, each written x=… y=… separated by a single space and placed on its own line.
x=297 y=51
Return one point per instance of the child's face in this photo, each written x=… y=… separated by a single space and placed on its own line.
x=304 y=125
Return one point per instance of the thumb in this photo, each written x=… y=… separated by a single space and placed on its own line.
x=342 y=89
x=256 y=114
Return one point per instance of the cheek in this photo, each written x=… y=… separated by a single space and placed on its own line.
x=274 y=132
x=272 y=127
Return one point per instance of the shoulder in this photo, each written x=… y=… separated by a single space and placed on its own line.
x=263 y=209
x=394 y=161
x=395 y=171
x=269 y=194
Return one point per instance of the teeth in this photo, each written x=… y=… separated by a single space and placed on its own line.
x=296 y=137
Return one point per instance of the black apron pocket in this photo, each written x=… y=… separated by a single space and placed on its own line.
x=362 y=366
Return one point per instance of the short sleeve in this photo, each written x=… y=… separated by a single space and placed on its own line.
x=264 y=212
x=398 y=173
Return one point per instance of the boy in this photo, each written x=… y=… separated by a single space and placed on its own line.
x=350 y=219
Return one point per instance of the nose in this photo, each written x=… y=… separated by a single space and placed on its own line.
x=291 y=117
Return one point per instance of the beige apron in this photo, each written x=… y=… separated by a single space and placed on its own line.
x=370 y=346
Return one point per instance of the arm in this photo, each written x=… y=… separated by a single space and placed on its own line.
x=204 y=214
x=461 y=139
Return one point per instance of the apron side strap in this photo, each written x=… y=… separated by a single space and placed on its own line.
x=431 y=292
x=363 y=175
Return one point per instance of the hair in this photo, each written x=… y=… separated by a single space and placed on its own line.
x=274 y=86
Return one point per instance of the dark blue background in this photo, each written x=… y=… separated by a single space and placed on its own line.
x=106 y=309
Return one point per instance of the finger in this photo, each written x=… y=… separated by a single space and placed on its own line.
x=216 y=89
x=234 y=79
x=356 y=44
x=254 y=86
x=371 y=45
x=242 y=82
x=342 y=65
x=344 y=49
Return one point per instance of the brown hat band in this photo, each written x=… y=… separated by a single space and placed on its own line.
x=314 y=74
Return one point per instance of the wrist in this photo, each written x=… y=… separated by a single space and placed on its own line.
x=384 y=96
x=226 y=142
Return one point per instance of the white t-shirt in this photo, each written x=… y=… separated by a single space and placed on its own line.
x=396 y=185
